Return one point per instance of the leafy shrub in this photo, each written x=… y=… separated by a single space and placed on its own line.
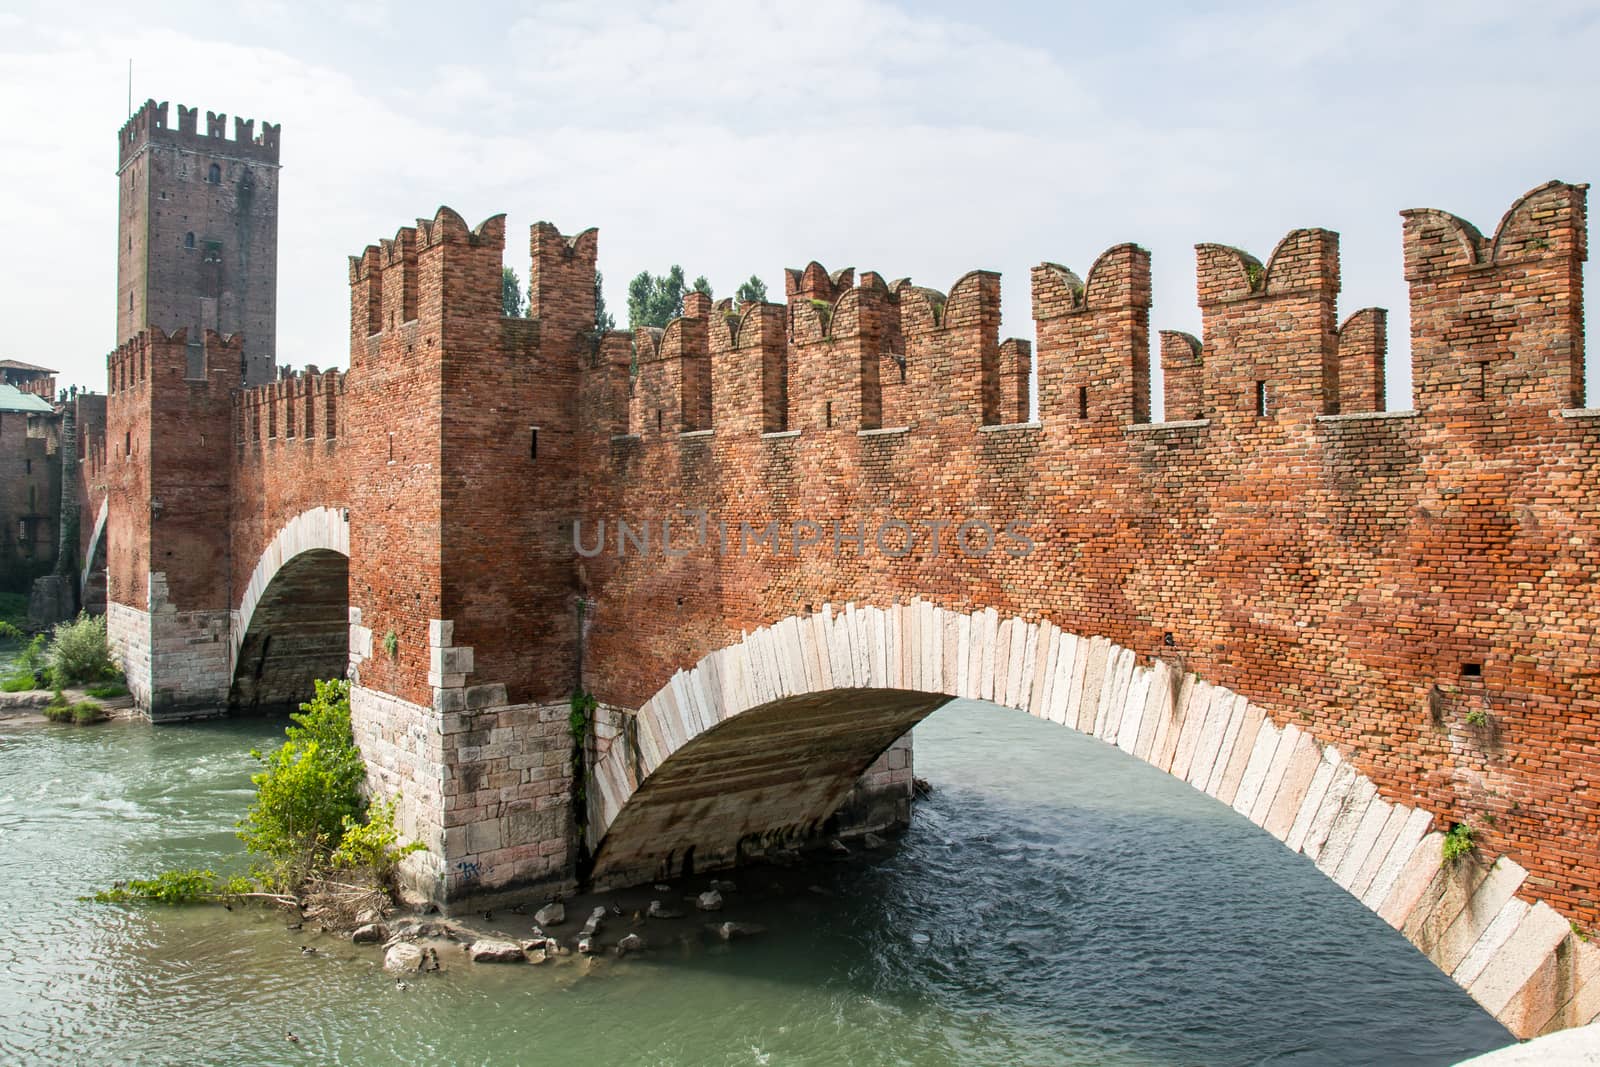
x=190 y=886
x=78 y=651
x=28 y=669
x=85 y=712
x=372 y=844
x=82 y=713
x=307 y=790
x=18 y=682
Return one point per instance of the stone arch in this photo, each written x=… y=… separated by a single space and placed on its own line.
x=292 y=623
x=96 y=550
x=873 y=673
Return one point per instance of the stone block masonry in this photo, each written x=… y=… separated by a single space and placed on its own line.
x=1358 y=628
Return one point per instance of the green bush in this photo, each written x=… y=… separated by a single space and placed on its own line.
x=18 y=682
x=85 y=712
x=308 y=790
x=372 y=844
x=190 y=886
x=82 y=713
x=28 y=669
x=78 y=651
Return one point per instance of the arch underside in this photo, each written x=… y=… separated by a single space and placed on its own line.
x=298 y=632
x=762 y=740
x=92 y=578
x=773 y=775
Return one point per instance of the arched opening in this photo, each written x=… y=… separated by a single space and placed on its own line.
x=297 y=633
x=773 y=774
x=214 y=175
x=188 y=239
x=739 y=751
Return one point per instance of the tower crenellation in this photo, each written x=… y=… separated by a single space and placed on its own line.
x=197 y=242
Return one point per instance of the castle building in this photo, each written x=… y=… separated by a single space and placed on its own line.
x=197 y=232
x=28 y=377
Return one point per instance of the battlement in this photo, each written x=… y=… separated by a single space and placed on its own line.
x=149 y=126
x=301 y=405
x=385 y=279
x=1499 y=321
x=873 y=354
x=155 y=355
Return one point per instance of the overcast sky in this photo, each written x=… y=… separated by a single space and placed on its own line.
x=921 y=140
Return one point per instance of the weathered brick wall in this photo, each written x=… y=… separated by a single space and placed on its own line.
x=169 y=427
x=30 y=496
x=194 y=250
x=1416 y=588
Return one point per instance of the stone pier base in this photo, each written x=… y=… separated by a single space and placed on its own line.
x=487 y=788
x=177 y=662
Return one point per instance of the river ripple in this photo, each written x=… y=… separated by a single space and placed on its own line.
x=1055 y=902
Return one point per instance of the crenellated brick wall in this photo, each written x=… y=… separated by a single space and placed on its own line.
x=1416 y=589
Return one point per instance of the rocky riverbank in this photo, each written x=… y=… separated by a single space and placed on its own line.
x=664 y=918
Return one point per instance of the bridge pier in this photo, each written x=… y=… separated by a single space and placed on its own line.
x=177 y=662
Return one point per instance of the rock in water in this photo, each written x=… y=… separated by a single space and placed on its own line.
x=370 y=934
x=496 y=952
x=710 y=900
x=630 y=943
x=403 y=958
x=729 y=931
x=551 y=914
x=871 y=840
x=838 y=848
x=534 y=950
x=657 y=911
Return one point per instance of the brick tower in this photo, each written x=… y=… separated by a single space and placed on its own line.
x=197 y=232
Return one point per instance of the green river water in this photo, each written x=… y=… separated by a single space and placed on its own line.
x=1054 y=902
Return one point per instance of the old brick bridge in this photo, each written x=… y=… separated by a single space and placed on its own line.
x=1357 y=627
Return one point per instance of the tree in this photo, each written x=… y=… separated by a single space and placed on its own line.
x=603 y=320
x=753 y=291
x=511 y=305
x=702 y=286
x=655 y=300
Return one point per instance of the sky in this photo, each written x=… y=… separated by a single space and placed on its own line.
x=736 y=138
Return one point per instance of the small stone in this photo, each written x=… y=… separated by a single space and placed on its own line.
x=369 y=916
x=657 y=911
x=404 y=957
x=586 y=945
x=370 y=934
x=551 y=914
x=838 y=848
x=630 y=943
x=871 y=840
x=659 y=888
x=729 y=931
x=723 y=887
x=710 y=900
x=488 y=951
x=534 y=951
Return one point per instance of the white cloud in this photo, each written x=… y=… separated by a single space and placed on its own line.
x=735 y=138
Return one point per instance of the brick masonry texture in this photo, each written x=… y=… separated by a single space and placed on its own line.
x=1393 y=611
x=197 y=238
